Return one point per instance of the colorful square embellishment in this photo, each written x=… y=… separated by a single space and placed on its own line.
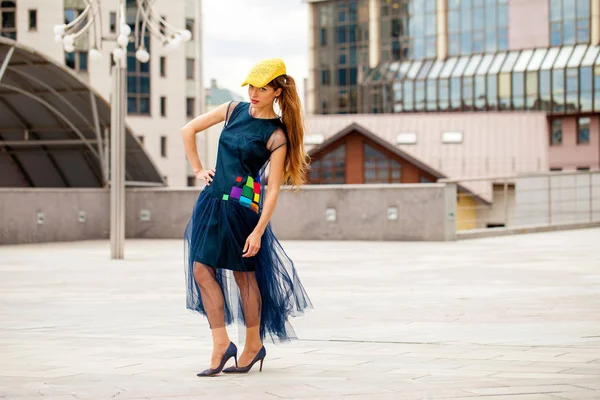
x=248 y=194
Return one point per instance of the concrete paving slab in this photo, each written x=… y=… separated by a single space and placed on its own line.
x=514 y=317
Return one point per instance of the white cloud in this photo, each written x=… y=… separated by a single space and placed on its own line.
x=239 y=33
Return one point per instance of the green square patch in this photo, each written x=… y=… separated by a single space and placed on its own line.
x=225 y=197
x=248 y=192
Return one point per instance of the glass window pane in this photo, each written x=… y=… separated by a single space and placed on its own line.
x=448 y=67
x=536 y=60
x=497 y=64
x=510 y=61
x=590 y=56
x=486 y=62
x=472 y=66
x=583 y=130
x=563 y=57
x=523 y=61
x=556 y=132
x=577 y=56
x=492 y=91
x=550 y=58
x=436 y=69
x=460 y=67
x=558 y=90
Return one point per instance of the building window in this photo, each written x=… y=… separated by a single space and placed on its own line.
x=113 y=22
x=569 y=22
x=190 y=106
x=138 y=80
x=423 y=28
x=341 y=31
x=189 y=25
x=396 y=27
x=477 y=26
x=556 y=132
x=163 y=106
x=583 y=130
x=329 y=169
x=163 y=146
x=190 y=68
x=191 y=181
x=77 y=60
x=380 y=168
x=555 y=169
x=8 y=11
x=583 y=169
x=163 y=67
x=32 y=20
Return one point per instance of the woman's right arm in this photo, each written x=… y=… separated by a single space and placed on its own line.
x=199 y=124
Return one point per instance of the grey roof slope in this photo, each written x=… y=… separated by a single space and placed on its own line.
x=53 y=127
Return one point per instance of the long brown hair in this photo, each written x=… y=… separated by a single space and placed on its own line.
x=296 y=160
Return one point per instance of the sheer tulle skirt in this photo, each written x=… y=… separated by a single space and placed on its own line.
x=214 y=239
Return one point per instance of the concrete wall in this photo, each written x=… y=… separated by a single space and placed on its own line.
x=362 y=212
x=424 y=212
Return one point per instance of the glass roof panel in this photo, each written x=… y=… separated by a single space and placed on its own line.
x=495 y=68
x=403 y=69
x=485 y=64
x=414 y=70
x=523 y=60
x=590 y=56
x=447 y=70
x=423 y=72
x=550 y=57
x=577 y=56
x=510 y=61
x=536 y=60
x=563 y=57
x=392 y=71
x=472 y=66
x=436 y=69
x=460 y=66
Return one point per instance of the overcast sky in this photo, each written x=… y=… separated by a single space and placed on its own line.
x=239 y=33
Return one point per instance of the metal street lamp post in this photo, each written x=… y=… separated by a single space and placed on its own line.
x=146 y=19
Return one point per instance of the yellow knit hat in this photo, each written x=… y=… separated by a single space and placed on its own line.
x=264 y=72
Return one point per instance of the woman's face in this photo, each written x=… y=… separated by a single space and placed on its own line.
x=262 y=97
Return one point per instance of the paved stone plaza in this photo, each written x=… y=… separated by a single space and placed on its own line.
x=503 y=318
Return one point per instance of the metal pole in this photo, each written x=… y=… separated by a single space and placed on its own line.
x=117 y=154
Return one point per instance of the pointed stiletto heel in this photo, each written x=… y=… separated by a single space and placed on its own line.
x=262 y=353
x=231 y=352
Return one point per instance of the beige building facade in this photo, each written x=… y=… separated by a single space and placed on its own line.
x=162 y=94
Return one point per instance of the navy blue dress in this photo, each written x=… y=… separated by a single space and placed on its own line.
x=227 y=212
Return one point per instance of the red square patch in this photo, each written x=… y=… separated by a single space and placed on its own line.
x=238 y=179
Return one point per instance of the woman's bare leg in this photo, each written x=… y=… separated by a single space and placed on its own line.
x=212 y=299
x=251 y=304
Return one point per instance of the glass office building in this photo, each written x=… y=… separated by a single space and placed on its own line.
x=463 y=56
x=387 y=56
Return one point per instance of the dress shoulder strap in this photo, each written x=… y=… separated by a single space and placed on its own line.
x=230 y=109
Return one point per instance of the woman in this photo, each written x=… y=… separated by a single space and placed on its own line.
x=229 y=229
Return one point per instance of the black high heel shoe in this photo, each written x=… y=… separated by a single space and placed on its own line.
x=262 y=353
x=231 y=352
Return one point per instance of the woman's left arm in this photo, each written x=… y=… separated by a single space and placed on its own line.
x=275 y=176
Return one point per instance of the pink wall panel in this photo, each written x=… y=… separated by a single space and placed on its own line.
x=528 y=25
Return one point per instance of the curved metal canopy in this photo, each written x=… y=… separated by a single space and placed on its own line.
x=54 y=128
